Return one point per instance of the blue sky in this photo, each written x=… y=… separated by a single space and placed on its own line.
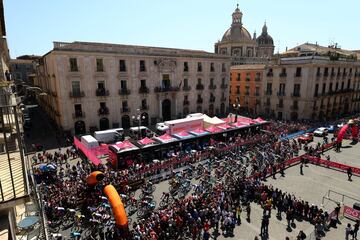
x=32 y=25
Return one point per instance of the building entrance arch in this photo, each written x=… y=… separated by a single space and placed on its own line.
x=104 y=123
x=166 y=110
x=125 y=121
x=79 y=127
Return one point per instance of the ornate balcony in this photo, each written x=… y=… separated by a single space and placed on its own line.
x=166 y=89
x=295 y=94
x=144 y=90
x=186 y=88
x=77 y=94
x=124 y=91
x=103 y=111
x=199 y=87
x=282 y=75
x=212 y=87
x=144 y=107
x=294 y=107
x=280 y=106
x=78 y=114
x=268 y=93
x=223 y=86
x=102 y=92
x=281 y=94
x=125 y=110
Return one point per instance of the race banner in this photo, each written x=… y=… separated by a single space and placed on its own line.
x=351 y=213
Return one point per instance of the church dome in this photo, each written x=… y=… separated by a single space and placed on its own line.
x=237 y=34
x=265 y=38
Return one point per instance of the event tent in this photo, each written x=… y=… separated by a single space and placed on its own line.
x=224 y=126
x=208 y=121
x=199 y=132
x=213 y=129
x=124 y=146
x=166 y=138
x=182 y=135
x=146 y=141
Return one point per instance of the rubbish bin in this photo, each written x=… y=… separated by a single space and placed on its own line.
x=356 y=206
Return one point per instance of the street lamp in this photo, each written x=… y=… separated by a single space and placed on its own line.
x=138 y=117
x=237 y=108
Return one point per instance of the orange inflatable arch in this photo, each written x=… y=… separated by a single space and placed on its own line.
x=117 y=206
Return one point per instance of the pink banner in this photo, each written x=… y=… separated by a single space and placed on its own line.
x=327 y=163
x=88 y=153
x=351 y=213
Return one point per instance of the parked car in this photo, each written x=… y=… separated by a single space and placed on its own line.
x=306 y=138
x=340 y=125
x=321 y=132
x=332 y=128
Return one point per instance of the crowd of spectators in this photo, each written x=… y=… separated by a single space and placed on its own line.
x=200 y=215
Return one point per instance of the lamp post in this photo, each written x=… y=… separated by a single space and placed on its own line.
x=138 y=117
x=236 y=107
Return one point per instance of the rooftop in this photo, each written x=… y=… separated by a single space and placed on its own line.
x=132 y=50
x=310 y=49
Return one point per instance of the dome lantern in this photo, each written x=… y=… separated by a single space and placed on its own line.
x=237 y=16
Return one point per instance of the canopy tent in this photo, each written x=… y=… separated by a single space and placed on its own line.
x=239 y=125
x=146 y=141
x=260 y=120
x=199 y=132
x=182 y=135
x=124 y=146
x=166 y=138
x=208 y=121
x=245 y=120
x=213 y=129
x=224 y=126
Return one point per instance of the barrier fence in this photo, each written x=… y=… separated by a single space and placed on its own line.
x=340 y=166
x=197 y=157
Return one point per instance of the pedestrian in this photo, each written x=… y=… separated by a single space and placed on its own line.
x=288 y=218
x=301 y=235
x=282 y=170
x=238 y=214
x=356 y=229
x=348 y=231
x=301 y=168
x=248 y=212
x=273 y=169
x=349 y=173
x=337 y=211
x=264 y=226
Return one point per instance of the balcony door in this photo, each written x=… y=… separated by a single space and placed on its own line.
x=166 y=110
x=104 y=123
x=79 y=127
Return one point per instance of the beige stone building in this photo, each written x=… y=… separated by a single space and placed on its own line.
x=244 y=49
x=98 y=86
x=312 y=82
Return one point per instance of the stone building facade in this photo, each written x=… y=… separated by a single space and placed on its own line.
x=246 y=87
x=307 y=82
x=99 y=86
x=244 y=49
